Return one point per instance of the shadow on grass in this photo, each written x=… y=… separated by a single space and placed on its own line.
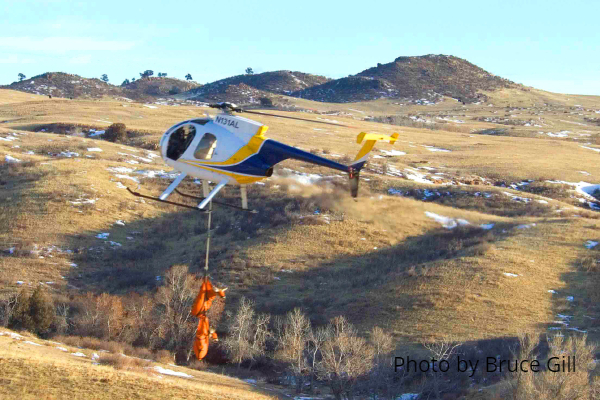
x=133 y=257
x=421 y=275
x=578 y=304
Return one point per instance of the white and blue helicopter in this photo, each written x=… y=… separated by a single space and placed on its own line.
x=233 y=150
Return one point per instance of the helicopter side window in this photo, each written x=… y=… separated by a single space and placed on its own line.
x=180 y=140
x=206 y=147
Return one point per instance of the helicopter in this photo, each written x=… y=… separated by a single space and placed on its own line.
x=233 y=150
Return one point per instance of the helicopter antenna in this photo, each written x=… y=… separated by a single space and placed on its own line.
x=230 y=108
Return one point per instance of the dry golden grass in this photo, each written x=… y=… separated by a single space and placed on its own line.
x=408 y=274
x=28 y=371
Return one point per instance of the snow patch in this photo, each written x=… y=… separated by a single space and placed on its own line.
x=392 y=153
x=431 y=148
x=165 y=371
x=590 y=244
x=525 y=226
x=561 y=134
x=121 y=176
x=591 y=148
x=448 y=223
x=11 y=160
x=68 y=154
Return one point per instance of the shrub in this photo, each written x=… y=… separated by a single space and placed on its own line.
x=8 y=304
x=117 y=132
x=248 y=334
x=345 y=357
x=576 y=384
x=266 y=102
x=34 y=313
x=175 y=90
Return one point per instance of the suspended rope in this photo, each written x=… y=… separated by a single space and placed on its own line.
x=208 y=237
x=203 y=301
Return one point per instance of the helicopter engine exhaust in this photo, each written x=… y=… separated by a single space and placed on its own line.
x=269 y=172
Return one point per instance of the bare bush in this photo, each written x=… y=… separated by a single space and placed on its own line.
x=102 y=316
x=442 y=350
x=315 y=342
x=381 y=377
x=175 y=298
x=144 y=320
x=292 y=336
x=7 y=307
x=248 y=334
x=60 y=325
x=345 y=358
x=561 y=385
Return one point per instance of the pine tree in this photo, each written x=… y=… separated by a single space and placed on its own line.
x=34 y=313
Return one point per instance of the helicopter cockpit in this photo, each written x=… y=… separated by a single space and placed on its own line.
x=181 y=139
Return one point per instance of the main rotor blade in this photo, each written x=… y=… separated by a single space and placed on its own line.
x=296 y=118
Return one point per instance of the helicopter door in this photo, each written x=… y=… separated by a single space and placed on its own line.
x=180 y=140
x=206 y=147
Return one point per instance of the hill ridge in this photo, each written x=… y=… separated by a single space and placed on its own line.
x=411 y=78
x=62 y=84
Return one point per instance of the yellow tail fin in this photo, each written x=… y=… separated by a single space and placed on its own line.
x=369 y=141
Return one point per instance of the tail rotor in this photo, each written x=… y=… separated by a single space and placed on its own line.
x=368 y=140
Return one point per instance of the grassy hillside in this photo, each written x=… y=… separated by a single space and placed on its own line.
x=32 y=368
x=387 y=259
x=63 y=85
x=384 y=262
x=411 y=78
x=255 y=85
x=156 y=87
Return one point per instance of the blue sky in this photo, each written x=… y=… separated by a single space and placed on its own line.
x=551 y=45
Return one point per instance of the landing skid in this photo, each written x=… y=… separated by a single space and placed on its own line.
x=137 y=194
x=189 y=196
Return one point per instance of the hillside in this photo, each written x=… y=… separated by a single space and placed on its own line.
x=420 y=80
x=156 y=87
x=411 y=78
x=32 y=368
x=457 y=232
x=248 y=88
x=60 y=84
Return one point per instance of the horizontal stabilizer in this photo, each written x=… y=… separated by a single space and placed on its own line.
x=369 y=140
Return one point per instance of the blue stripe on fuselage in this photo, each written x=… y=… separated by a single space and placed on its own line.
x=273 y=152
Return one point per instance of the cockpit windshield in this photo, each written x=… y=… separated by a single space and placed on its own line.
x=180 y=140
